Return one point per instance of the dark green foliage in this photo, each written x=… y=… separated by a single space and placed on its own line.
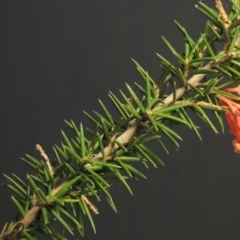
x=85 y=167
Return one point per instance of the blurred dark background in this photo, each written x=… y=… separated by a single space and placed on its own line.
x=57 y=58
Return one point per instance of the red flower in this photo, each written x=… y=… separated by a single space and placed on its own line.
x=233 y=116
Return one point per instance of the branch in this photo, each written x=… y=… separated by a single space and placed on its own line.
x=126 y=137
x=134 y=125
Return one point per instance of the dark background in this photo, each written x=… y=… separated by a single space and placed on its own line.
x=57 y=58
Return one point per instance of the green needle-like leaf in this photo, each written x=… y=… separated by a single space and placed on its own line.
x=18 y=206
x=91 y=191
x=60 y=170
x=66 y=187
x=94 y=137
x=62 y=221
x=20 y=181
x=17 y=192
x=99 y=139
x=202 y=71
x=216 y=113
x=74 y=154
x=234 y=38
x=174 y=52
x=97 y=176
x=169 y=133
x=208 y=45
x=144 y=154
x=138 y=102
x=100 y=116
x=17 y=185
x=121 y=178
x=67 y=140
x=151 y=153
x=31 y=161
x=127 y=99
x=45 y=215
x=171 y=117
x=141 y=89
x=82 y=142
x=28 y=236
x=171 y=108
x=136 y=172
x=166 y=63
x=209 y=13
x=124 y=166
x=148 y=92
x=143 y=72
x=211 y=83
x=129 y=159
x=121 y=145
x=40 y=194
x=106 y=112
x=91 y=118
x=62 y=152
x=69 y=216
x=232 y=70
x=222 y=70
x=119 y=106
x=164 y=77
x=105 y=130
x=194 y=52
x=104 y=164
x=235 y=62
x=234 y=24
x=28 y=200
x=153 y=122
x=71 y=169
x=88 y=213
x=188 y=39
x=131 y=110
x=196 y=89
x=117 y=127
x=203 y=115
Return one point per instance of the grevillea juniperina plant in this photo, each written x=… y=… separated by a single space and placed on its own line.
x=69 y=186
